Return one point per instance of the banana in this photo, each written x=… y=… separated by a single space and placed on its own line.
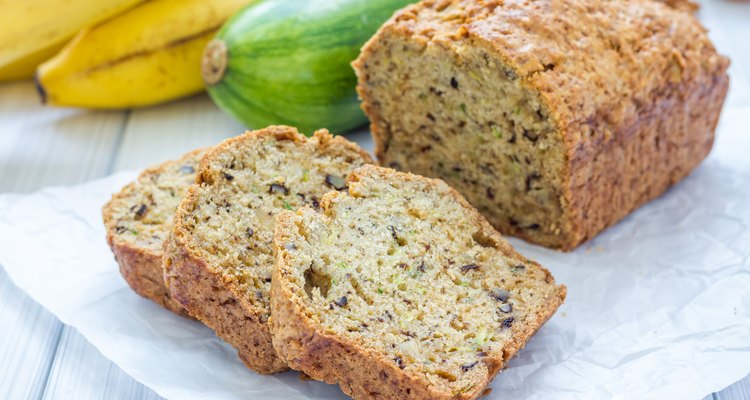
x=30 y=29
x=25 y=66
x=147 y=55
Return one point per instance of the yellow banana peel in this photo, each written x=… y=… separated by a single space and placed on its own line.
x=24 y=67
x=29 y=29
x=147 y=55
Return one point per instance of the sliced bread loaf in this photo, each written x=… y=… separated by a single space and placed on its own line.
x=399 y=289
x=555 y=118
x=219 y=259
x=138 y=219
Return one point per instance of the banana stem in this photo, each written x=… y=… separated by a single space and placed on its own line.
x=214 y=62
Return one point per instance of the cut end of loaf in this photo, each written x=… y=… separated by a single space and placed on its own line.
x=503 y=151
x=405 y=279
x=555 y=118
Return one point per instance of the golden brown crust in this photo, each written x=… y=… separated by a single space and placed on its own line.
x=651 y=97
x=648 y=156
x=363 y=373
x=217 y=304
x=280 y=132
x=142 y=270
x=140 y=266
x=207 y=293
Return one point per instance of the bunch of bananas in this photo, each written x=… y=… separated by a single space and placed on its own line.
x=109 y=54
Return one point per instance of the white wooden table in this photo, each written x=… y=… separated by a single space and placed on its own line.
x=40 y=146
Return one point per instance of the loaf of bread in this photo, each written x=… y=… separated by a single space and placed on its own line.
x=684 y=5
x=139 y=218
x=219 y=257
x=555 y=118
x=399 y=289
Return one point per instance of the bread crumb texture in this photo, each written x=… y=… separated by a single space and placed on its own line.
x=141 y=213
x=138 y=220
x=555 y=118
x=399 y=289
x=220 y=258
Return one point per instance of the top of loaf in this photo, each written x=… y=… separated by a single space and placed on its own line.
x=141 y=214
x=588 y=58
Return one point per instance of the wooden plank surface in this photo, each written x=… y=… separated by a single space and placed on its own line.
x=160 y=133
x=740 y=390
x=80 y=372
x=28 y=341
x=42 y=146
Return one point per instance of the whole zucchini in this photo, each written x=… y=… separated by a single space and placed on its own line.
x=288 y=61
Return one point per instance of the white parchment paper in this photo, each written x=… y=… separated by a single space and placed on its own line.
x=658 y=306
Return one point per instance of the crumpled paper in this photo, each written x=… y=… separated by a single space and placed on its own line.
x=658 y=306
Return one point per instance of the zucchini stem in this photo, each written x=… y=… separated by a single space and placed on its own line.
x=214 y=62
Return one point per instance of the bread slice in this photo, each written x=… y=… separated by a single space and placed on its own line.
x=554 y=118
x=138 y=219
x=399 y=289
x=219 y=259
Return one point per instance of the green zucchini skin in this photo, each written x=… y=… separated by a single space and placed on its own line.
x=289 y=62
